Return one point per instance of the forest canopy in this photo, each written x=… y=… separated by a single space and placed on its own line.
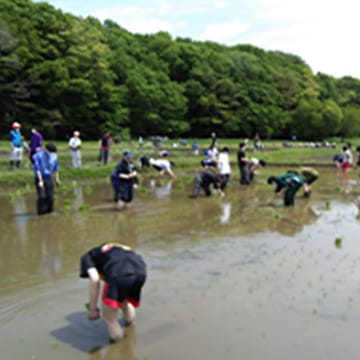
x=59 y=72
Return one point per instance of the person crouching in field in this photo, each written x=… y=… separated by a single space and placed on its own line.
x=287 y=184
x=124 y=274
x=253 y=165
x=161 y=165
x=122 y=180
x=204 y=180
x=310 y=175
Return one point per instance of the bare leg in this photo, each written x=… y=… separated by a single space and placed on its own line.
x=110 y=317
x=129 y=312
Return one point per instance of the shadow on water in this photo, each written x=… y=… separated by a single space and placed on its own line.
x=228 y=277
x=92 y=339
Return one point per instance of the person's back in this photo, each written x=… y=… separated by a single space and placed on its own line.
x=224 y=163
x=289 y=178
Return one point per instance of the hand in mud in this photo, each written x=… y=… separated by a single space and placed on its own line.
x=93 y=314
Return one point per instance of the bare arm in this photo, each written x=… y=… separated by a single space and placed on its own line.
x=94 y=289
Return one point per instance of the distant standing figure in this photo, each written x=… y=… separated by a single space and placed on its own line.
x=36 y=141
x=195 y=148
x=124 y=274
x=16 y=149
x=104 y=148
x=213 y=140
x=243 y=164
x=45 y=163
x=288 y=184
x=75 y=146
x=257 y=142
x=141 y=142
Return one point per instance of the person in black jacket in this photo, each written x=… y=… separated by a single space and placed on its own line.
x=122 y=179
x=124 y=274
x=204 y=180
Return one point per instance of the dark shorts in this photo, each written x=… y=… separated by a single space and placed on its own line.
x=123 y=288
x=311 y=180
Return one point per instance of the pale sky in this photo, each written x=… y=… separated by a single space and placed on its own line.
x=324 y=33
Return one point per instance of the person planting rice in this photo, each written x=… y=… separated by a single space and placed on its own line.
x=310 y=175
x=124 y=274
x=161 y=165
x=204 y=180
x=287 y=184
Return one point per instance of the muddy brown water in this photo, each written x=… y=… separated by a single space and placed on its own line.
x=228 y=278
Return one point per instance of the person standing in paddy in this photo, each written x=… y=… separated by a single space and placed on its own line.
x=122 y=180
x=36 y=140
x=124 y=273
x=104 y=143
x=243 y=164
x=45 y=163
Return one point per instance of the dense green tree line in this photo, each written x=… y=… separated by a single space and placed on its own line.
x=59 y=72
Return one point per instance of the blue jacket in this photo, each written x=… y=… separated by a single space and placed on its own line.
x=45 y=162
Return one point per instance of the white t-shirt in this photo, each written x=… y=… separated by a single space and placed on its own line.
x=347 y=156
x=224 y=163
x=254 y=162
x=74 y=143
x=163 y=164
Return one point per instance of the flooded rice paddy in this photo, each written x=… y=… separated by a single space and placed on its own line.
x=228 y=278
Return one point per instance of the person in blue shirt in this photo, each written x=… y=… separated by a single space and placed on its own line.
x=16 y=151
x=45 y=164
x=122 y=179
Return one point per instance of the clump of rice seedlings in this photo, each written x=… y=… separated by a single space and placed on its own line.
x=181 y=185
x=84 y=207
x=338 y=242
x=88 y=190
x=327 y=204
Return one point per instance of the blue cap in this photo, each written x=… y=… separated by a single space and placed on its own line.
x=127 y=154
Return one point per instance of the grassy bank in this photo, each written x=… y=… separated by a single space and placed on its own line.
x=273 y=153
